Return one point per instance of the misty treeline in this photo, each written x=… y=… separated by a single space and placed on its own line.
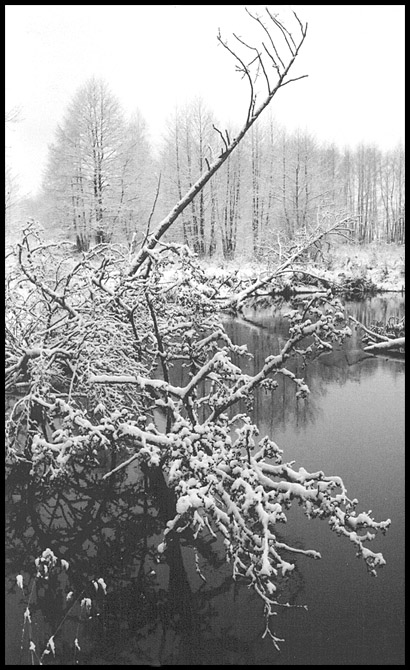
x=106 y=182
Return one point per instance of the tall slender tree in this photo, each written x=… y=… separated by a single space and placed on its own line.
x=96 y=166
x=187 y=148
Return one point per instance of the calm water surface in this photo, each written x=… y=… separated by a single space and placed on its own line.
x=351 y=425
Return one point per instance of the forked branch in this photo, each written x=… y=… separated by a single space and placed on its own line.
x=281 y=67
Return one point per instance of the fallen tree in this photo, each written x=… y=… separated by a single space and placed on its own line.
x=377 y=340
x=314 y=238
x=396 y=344
x=95 y=355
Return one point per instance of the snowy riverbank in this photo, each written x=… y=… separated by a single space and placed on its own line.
x=380 y=265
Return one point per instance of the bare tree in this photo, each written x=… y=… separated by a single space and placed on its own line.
x=229 y=211
x=97 y=169
x=13 y=194
x=391 y=180
x=187 y=148
x=137 y=181
x=257 y=204
x=275 y=63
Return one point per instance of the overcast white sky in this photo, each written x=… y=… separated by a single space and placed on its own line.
x=154 y=57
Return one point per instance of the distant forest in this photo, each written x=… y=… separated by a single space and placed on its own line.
x=105 y=182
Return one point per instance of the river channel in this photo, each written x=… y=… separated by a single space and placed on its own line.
x=351 y=425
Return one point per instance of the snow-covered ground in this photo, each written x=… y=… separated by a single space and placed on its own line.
x=383 y=265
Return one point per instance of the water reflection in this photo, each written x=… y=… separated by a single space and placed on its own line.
x=265 y=332
x=163 y=613
x=154 y=613
x=351 y=424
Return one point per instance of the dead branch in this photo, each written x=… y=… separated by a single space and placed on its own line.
x=252 y=115
x=246 y=72
x=373 y=335
x=236 y=301
x=152 y=211
x=222 y=136
x=258 y=20
x=258 y=57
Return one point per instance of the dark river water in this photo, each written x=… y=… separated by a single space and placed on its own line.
x=351 y=425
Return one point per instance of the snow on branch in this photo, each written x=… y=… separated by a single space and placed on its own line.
x=104 y=381
x=398 y=343
x=379 y=341
x=236 y=302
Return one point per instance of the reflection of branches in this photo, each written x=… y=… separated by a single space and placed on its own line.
x=106 y=529
x=280 y=406
x=119 y=544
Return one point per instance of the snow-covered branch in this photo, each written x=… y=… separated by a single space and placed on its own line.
x=398 y=343
x=236 y=302
x=104 y=381
x=380 y=341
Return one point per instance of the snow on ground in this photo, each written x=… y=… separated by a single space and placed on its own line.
x=381 y=264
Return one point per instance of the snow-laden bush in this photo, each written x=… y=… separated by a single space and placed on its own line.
x=103 y=359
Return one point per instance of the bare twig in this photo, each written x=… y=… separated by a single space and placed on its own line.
x=257 y=57
x=222 y=136
x=256 y=18
x=253 y=114
x=236 y=301
x=152 y=211
x=246 y=72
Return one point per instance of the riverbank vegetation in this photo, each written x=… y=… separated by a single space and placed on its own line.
x=93 y=349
